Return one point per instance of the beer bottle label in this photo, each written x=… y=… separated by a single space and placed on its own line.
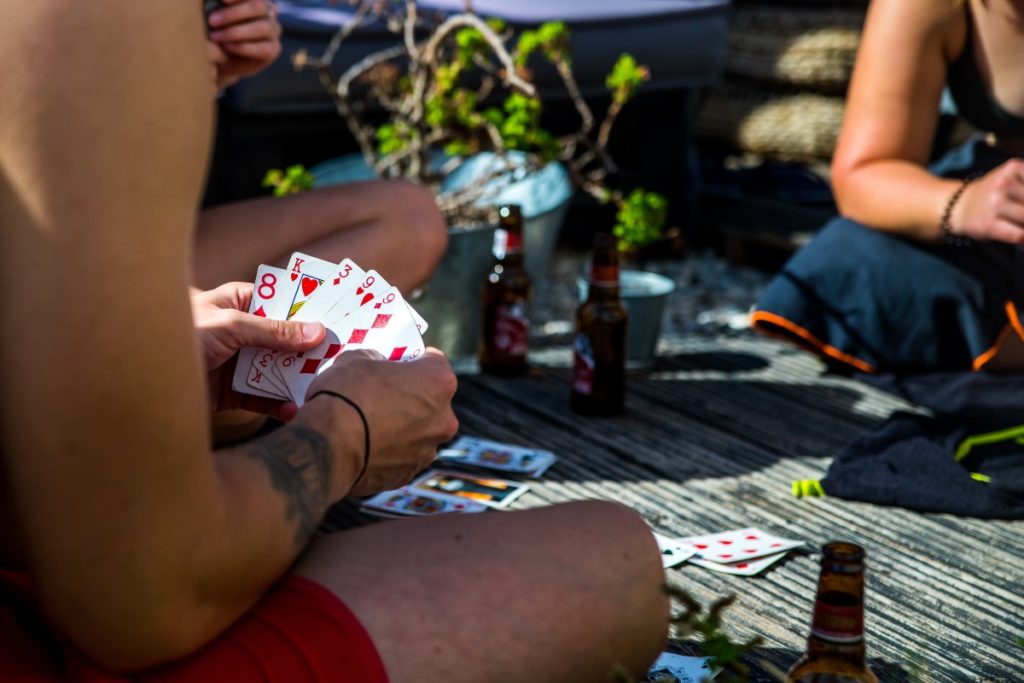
x=511 y=329
x=506 y=242
x=838 y=623
x=583 y=366
x=604 y=274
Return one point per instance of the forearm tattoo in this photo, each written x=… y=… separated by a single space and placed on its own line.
x=299 y=461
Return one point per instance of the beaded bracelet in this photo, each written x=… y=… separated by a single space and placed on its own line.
x=945 y=224
x=366 y=427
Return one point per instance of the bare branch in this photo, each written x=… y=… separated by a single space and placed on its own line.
x=511 y=78
x=586 y=116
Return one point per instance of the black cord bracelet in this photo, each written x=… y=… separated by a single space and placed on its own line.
x=945 y=224
x=366 y=427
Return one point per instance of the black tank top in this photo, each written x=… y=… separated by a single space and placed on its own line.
x=973 y=100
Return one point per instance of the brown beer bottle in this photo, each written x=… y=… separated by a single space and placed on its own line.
x=599 y=351
x=835 y=648
x=506 y=296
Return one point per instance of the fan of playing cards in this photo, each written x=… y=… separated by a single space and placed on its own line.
x=359 y=308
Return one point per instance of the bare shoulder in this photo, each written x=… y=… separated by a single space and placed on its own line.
x=936 y=21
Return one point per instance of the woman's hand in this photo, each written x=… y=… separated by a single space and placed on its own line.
x=992 y=207
x=245 y=38
x=223 y=327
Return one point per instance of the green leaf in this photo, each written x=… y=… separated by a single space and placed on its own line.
x=626 y=77
x=640 y=219
x=293 y=180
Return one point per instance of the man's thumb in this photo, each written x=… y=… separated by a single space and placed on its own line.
x=284 y=335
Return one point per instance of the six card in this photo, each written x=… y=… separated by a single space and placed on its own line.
x=727 y=547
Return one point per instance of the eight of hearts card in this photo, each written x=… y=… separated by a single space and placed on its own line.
x=359 y=308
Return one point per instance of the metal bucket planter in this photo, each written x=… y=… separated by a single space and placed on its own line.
x=542 y=195
x=450 y=302
x=644 y=295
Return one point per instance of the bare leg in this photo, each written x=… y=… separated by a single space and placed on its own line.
x=393 y=227
x=563 y=593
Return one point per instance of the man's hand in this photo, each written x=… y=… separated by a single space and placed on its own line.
x=245 y=38
x=407 y=406
x=224 y=327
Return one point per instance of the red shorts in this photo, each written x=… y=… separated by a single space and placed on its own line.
x=298 y=632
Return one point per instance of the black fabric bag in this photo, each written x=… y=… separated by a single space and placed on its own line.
x=911 y=461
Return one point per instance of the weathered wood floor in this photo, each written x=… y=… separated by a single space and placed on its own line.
x=712 y=439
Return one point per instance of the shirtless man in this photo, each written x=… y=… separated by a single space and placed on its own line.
x=126 y=542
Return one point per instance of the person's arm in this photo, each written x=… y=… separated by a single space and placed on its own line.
x=143 y=542
x=879 y=172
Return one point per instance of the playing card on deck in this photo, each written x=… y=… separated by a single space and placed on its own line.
x=741 y=568
x=271 y=294
x=494 y=455
x=728 y=547
x=672 y=551
x=410 y=502
x=385 y=326
x=495 y=493
x=673 y=668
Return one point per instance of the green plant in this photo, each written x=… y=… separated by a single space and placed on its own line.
x=293 y=180
x=691 y=621
x=462 y=84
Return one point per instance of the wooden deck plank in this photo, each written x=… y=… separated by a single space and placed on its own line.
x=712 y=440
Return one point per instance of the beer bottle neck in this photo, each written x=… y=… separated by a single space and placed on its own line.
x=603 y=281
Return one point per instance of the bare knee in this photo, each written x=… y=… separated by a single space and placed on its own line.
x=423 y=226
x=619 y=527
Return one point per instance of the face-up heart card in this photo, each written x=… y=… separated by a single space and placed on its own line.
x=309 y=273
x=738 y=545
x=271 y=293
x=339 y=286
